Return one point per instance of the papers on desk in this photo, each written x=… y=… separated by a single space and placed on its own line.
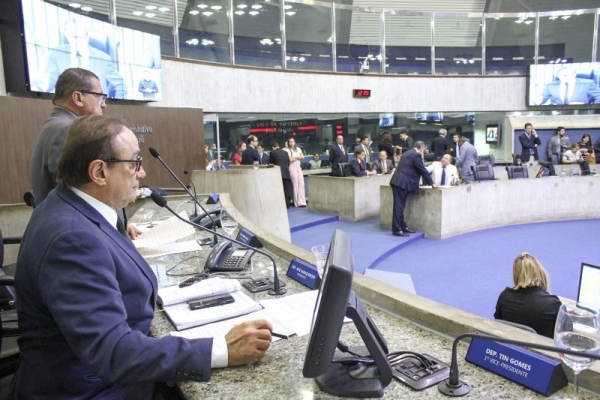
x=175 y=302
x=167 y=231
x=289 y=315
x=170 y=248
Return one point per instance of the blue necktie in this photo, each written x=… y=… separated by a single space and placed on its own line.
x=443 y=176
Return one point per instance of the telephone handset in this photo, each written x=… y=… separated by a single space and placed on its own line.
x=204 y=220
x=225 y=258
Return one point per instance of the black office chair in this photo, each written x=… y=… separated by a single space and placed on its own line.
x=9 y=327
x=484 y=172
x=516 y=159
x=520 y=326
x=343 y=169
x=486 y=160
x=29 y=198
x=7 y=293
x=517 y=172
x=585 y=168
x=549 y=167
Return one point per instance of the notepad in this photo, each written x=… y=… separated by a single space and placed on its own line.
x=174 y=300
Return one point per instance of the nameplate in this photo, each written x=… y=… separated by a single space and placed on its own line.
x=249 y=238
x=213 y=198
x=304 y=273
x=534 y=371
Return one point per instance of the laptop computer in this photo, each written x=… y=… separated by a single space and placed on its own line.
x=589 y=286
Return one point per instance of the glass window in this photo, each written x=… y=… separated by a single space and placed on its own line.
x=257 y=34
x=155 y=17
x=509 y=43
x=566 y=36
x=407 y=43
x=456 y=45
x=204 y=31
x=358 y=35
x=308 y=37
x=97 y=11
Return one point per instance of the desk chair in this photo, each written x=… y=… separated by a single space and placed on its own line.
x=517 y=172
x=9 y=327
x=7 y=293
x=29 y=198
x=484 y=172
x=520 y=326
x=486 y=160
x=549 y=166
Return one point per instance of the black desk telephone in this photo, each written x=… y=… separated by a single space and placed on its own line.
x=225 y=258
x=205 y=220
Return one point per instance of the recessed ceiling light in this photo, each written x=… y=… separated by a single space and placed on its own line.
x=163 y=9
x=193 y=42
x=240 y=12
x=86 y=8
x=290 y=13
x=202 y=6
x=151 y=7
x=75 y=5
x=217 y=8
x=138 y=13
x=287 y=6
x=207 y=13
x=242 y=6
x=207 y=42
x=194 y=12
x=150 y=15
x=256 y=6
x=253 y=12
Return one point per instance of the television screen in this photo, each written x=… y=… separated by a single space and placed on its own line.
x=432 y=117
x=563 y=84
x=492 y=134
x=589 y=286
x=386 y=120
x=127 y=62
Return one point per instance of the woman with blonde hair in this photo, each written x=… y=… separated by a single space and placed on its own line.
x=529 y=301
x=295 y=154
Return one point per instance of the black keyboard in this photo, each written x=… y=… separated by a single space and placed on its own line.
x=412 y=372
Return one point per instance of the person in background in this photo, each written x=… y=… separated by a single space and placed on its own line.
x=281 y=158
x=406 y=142
x=237 y=157
x=529 y=144
x=358 y=165
x=363 y=145
x=315 y=162
x=573 y=155
x=337 y=154
x=250 y=155
x=443 y=172
x=383 y=165
x=440 y=145
x=529 y=302
x=557 y=145
x=568 y=89
x=586 y=143
x=264 y=157
x=147 y=86
x=87 y=297
x=385 y=144
x=467 y=160
x=295 y=155
x=454 y=145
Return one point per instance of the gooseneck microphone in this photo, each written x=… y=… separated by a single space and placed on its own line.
x=454 y=387
x=277 y=289
x=155 y=154
x=195 y=214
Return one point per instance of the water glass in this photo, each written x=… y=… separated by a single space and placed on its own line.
x=320 y=253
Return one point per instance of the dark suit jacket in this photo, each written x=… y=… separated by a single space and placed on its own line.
x=281 y=158
x=250 y=155
x=529 y=143
x=86 y=301
x=377 y=166
x=439 y=145
x=47 y=151
x=407 y=144
x=336 y=156
x=585 y=92
x=355 y=167
x=409 y=171
x=101 y=64
x=389 y=149
x=264 y=159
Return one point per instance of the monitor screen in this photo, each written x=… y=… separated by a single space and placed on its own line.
x=127 y=62
x=386 y=120
x=589 y=286
x=563 y=84
x=492 y=134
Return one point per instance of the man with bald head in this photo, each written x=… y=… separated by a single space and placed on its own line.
x=443 y=172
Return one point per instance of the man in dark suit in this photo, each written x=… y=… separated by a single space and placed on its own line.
x=87 y=297
x=358 y=165
x=250 y=155
x=529 y=144
x=337 y=154
x=406 y=142
x=440 y=145
x=264 y=157
x=406 y=180
x=569 y=89
x=383 y=165
x=282 y=159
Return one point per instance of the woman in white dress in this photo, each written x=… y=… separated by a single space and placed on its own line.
x=296 y=155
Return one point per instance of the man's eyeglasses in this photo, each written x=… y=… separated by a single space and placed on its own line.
x=102 y=95
x=137 y=163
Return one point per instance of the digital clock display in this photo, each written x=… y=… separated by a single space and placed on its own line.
x=362 y=93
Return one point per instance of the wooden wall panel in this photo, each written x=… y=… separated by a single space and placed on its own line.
x=177 y=134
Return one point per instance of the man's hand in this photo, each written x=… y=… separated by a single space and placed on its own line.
x=248 y=342
x=133 y=232
x=435 y=186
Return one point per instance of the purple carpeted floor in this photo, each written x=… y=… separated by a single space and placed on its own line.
x=467 y=271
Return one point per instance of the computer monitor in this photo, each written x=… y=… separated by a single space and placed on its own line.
x=335 y=301
x=589 y=286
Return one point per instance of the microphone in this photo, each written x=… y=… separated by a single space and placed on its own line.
x=277 y=289
x=155 y=154
x=454 y=387
x=195 y=214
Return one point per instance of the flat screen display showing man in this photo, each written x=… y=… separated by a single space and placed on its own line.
x=127 y=62
x=564 y=84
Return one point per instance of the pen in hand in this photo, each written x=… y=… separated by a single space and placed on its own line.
x=281 y=336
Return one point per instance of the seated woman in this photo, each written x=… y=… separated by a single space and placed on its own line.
x=315 y=162
x=528 y=302
x=573 y=155
x=587 y=148
x=237 y=157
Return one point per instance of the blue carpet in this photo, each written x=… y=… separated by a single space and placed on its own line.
x=467 y=271
x=300 y=218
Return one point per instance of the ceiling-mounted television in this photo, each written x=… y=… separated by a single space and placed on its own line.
x=492 y=134
x=386 y=120
x=127 y=62
x=564 y=85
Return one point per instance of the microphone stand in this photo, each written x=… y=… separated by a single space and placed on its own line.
x=454 y=387
x=195 y=214
x=155 y=154
x=277 y=289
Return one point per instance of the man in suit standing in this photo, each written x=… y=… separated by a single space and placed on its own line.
x=406 y=142
x=383 y=165
x=467 y=160
x=364 y=145
x=440 y=145
x=264 y=157
x=443 y=172
x=282 y=159
x=529 y=144
x=569 y=89
x=250 y=155
x=358 y=165
x=337 y=154
x=557 y=145
x=455 y=147
x=406 y=180
x=87 y=297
